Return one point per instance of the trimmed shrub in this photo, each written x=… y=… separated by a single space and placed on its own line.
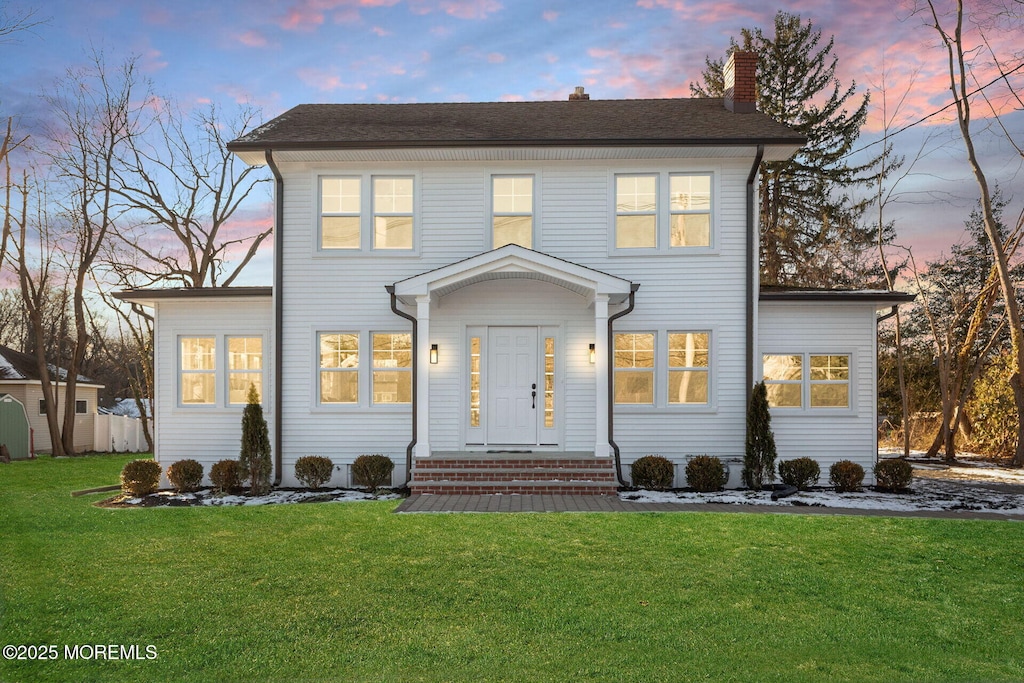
x=760 y=453
x=254 y=455
x=372 y=471
x=140 y=477
x=185 y=475
x=803 y=473
x=226 y=476
x=706 y=473
x=893 y=475
x=652 y=472
x=314 y=470
x=846 y=476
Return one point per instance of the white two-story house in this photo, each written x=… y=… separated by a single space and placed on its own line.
x=517 y=297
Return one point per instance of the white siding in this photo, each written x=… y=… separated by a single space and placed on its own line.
x=826 y=435
x=205 y=433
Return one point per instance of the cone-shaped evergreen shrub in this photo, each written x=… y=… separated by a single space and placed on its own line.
x=254 y=456
x=759 y=458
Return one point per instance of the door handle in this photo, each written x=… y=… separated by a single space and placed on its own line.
x=533 y=395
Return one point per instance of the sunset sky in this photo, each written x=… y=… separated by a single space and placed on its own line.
x=277 y=54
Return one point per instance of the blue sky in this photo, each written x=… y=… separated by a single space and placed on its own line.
x=277 y=54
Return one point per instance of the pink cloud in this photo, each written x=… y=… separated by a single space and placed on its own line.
x=495 y=58
x=550 y=15
x=253 y=39
x=381 y=32
x=511 y=98
x=308 y=15
x=326 y=80
x=470 y=9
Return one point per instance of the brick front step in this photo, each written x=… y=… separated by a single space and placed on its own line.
x=479 y=474
x=552 y=488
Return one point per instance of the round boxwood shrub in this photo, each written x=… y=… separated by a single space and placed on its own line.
x=846 y=476
x=652 y=472
x=372 y=471
x=185 y=475
x=705 y=473
x=803 y=473
x=893 y=475
x=314 y=470
x=226 y=476
x=140 y=477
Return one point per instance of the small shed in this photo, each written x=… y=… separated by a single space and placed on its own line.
x=15 y=432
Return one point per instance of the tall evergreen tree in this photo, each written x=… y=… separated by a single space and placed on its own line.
x=760 y=454
x=811 y=229
x=254 y=457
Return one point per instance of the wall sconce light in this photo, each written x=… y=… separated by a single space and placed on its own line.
x=593 y=354
x=433 y=354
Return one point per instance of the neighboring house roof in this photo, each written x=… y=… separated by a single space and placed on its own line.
x=810 y=294
x=17 y=366
x=127 y=407
x=696 y=121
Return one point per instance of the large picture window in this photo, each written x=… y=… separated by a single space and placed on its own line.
x=339 y=368
x=198 y=363
x=392 y=368
x=814 y=380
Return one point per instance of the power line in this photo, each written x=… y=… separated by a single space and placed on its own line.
x=937 y=111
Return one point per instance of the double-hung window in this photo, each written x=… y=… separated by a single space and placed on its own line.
x=688 y=368
x=634 y=368
x=245 y=368
x=339 y=368
x=198 y=363
x=512 y=211
x=663 y=211
x=392 y=368
x=366 y=212
x=819 y=381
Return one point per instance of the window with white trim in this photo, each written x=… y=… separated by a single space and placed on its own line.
x=634 y=368
x=819 y=381
x=339 y=367
x=245 y=368
x=198 y=376
x=645 y=219
x=512 y=211
x=353 y=218
x=392 y=367
x=688 y=363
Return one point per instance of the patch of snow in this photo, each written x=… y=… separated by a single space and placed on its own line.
x=278 y=497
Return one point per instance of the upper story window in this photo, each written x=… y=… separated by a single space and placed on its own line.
x=512 y=211
x=644 y=220
x=353 y=219
x=392 y=213
x=790 y=385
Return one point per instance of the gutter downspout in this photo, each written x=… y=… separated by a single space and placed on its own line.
x=611 y=382
x=415 y=362
x=752 y=271
x=278 y=310
x=888 y=315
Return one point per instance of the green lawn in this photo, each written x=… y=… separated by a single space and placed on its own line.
x=349 y=591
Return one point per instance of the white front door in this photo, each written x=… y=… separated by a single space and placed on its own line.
x=514 y=397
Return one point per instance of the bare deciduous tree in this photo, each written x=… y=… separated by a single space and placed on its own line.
x=961 y=84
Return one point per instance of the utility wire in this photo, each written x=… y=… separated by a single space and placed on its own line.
x=1001 y=76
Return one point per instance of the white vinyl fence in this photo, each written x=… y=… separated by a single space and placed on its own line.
x=119 y=434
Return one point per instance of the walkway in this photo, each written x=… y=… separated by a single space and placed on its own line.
x=556 y=503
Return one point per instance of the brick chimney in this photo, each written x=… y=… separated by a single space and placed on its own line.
x=740 y=75
x=579 y=94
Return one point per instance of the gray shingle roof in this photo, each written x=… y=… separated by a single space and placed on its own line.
x=587 y=123
x=17 y=366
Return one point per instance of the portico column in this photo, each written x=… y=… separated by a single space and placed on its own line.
x=422 y=351
x=601 y=351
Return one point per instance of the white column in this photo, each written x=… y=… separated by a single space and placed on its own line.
x=601 y=397
x=422 y=448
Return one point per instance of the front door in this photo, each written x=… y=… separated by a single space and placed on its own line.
x=513 y=396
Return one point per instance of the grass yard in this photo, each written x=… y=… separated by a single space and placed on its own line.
x=349 y=591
